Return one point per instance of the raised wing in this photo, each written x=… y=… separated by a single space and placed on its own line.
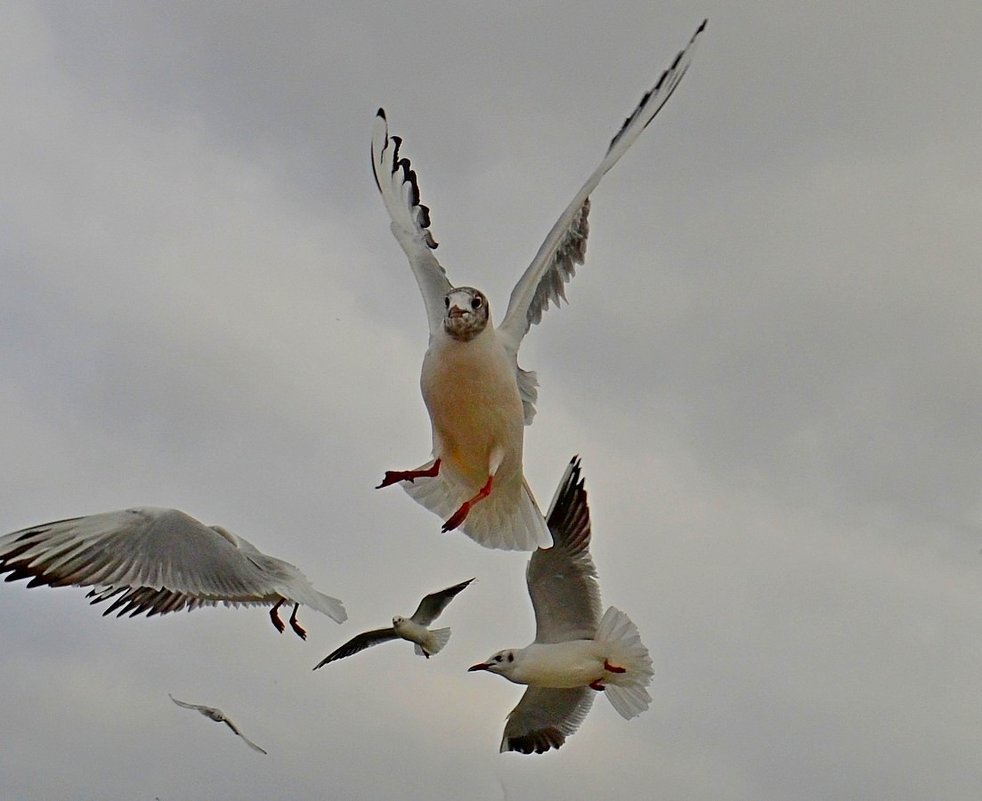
x=565 y=246
x=396 y=180
x=359 y=643
x=562 y=580
x=432 y=605
x=544 y=718
x=155 y=561
x=210 y=711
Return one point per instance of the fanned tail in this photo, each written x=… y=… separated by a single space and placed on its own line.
x=625 y=690
x=495 y=522
x=439 y=639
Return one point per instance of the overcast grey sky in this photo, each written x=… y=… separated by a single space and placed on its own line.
x=771 y=365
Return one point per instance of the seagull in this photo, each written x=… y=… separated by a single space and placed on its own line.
x=219 y=717
x=414 y=629
x=478 y=398
x=158 y=561
x=576 y=652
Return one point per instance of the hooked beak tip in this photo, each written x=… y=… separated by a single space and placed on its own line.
x=479 y=666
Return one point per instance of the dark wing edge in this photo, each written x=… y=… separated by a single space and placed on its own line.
x=565 y=245
x=568 y=517
x=658 y=95
x=359 y=643
x=397 y=183
x=544 y=718
x=432 y=605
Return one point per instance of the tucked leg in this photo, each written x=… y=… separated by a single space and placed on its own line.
x=274 y=616
x=597 y=685
x=295 y=624
x=613 y=668
x=395 y=476
x=460 y=515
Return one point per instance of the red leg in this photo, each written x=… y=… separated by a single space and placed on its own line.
x=597 y=685
x=613 y=668
x=460 y=515
x=395 y=476
x=295 y=624
x=275 y=617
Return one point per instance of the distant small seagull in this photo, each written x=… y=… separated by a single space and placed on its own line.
x=414 y=629
x=576 y=651
x=477 y=396
x=219 y=717
x=158 y=561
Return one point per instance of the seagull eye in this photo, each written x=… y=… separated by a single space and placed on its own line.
x=446 y=302
x=476 y=303
x=497 y=658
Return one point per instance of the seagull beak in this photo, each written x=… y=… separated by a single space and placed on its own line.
x=456 y=311
x=479 y=666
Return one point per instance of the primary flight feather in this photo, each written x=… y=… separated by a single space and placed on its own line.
x=478 y=398
x=156 y=561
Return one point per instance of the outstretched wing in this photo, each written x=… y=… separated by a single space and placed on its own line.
x=248 y=742
x=155 y=561
x=562 y=580
x=396 y=180
x=565 y=246
x=544 y=718
x=432 y=605
x=359 y=643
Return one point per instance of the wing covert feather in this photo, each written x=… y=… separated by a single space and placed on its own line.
x=562 y=580
x=565 y=245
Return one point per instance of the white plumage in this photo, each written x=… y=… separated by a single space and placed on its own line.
x=576 y=652
x=157 y=561
x=477 y=396
x=426 y=642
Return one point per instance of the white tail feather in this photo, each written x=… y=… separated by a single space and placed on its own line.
x=495 y=522
x=625 y=691
x=438 y=638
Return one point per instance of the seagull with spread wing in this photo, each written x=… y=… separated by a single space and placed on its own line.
x=219 y=717
x=576 y=652
x=425 y=641
x=477 y=396
x=157 y=561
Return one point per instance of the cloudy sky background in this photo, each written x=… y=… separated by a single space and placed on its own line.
x=771 y=365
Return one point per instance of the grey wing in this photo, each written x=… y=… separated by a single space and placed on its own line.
x=359 y=643
x=396 y=180
x=205 y=710
x=544 y=718
x=155 y=561
x=248 y=742
x=432 y=605
x=562 y=580
x=565 y=245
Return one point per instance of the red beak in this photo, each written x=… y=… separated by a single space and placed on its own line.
x=478 y=666
x=456 y=311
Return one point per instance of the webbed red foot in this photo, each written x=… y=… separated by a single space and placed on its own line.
x=395 y=476
x=460 y=515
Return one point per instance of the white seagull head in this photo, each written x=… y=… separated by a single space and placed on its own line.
x=467 y=313
x=503 y=663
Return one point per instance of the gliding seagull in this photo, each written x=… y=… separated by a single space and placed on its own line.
x=576 y=652
x=414 y=629
x=158 y=561
x=219 y=717
x=477 y=396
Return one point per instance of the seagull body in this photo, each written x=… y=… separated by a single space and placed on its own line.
x=156 y=561
x=218 y=716
x=414 y=629
x=576 y=652
x=478 y=398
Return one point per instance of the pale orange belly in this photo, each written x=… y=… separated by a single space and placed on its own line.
x=475 y=413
